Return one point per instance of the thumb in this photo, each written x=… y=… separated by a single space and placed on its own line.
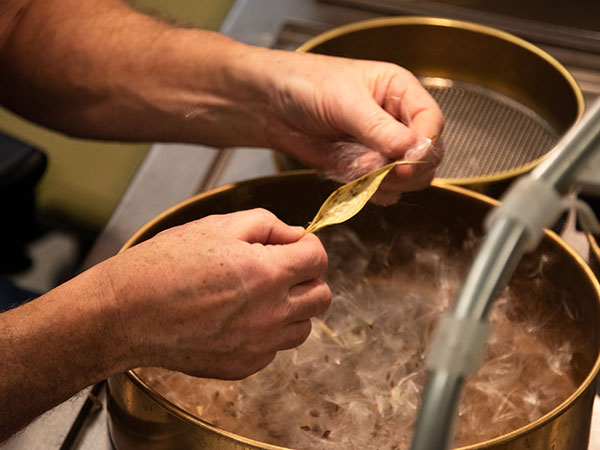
x=380 y=131
x=282 y=233
x=263 y=227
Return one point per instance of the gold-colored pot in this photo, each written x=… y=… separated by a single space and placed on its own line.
x=141 y=418
x=506 y=101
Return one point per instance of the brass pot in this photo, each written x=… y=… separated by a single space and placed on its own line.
x=506 y=101
x=141 y=418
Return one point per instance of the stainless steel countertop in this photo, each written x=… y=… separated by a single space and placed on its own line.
x=173 y=172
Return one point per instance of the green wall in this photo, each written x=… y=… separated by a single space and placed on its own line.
x=207 y=14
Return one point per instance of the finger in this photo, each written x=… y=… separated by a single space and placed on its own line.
x=307 y=300
x=384 y=198
x=238 y=367
x=428 y=123
x=408 y=114
x=259 y=226
x=350 y=160
x=302 y=260
x=425 y=152
x=408 y=180
x=294 y=334
x=371 y=161
x=409 y=101
x=380 y=130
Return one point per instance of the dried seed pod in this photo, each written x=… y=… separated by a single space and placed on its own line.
x=348 y=200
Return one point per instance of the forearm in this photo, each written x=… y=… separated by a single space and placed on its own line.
x=100 y=69
x=55 y=346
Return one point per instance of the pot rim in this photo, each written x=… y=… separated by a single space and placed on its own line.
x=503 y=439
x=475 y=28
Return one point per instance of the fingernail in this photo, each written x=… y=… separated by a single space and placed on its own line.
x=299 y=229
x=419 y=150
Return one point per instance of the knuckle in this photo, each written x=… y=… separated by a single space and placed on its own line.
x=376 y=124
x=325 y=298
x=319 y=255
x=319 y=299
x=209 y=220
x=261 y=214
x=321 y=260
x=385 y=69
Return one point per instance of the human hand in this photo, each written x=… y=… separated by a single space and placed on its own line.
x=349 y=117
x=218 y=297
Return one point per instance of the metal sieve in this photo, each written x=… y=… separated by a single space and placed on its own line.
x=506 y=101
x=486 y=132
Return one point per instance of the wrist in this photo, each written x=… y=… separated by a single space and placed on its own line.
x=122 y=313
x=238 y=94
x=89 y=308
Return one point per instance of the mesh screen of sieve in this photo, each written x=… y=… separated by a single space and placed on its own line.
x=486 y=133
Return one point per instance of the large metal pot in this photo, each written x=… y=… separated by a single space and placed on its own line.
x=141 y=418
x=506 y=101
